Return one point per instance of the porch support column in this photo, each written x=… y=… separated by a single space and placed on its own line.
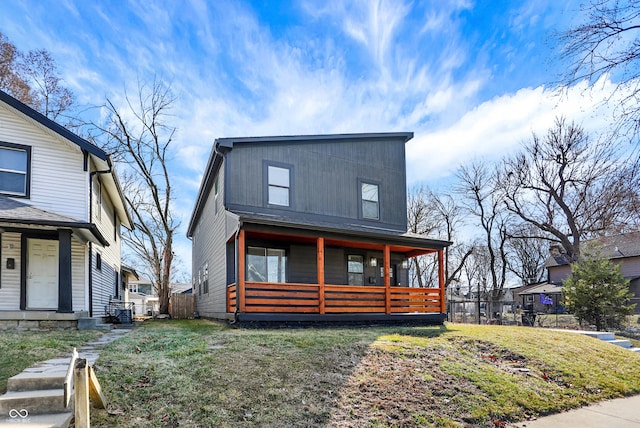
x=320 y=245
x=441 y=281
x=65 y=290
x=241 y=268
x=387 y=279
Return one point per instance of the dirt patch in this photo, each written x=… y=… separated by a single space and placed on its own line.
x=401 y=387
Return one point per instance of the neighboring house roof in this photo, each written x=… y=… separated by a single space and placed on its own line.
x=619 y=246
x=17 y=213
x=130 y=270
x=225 y=144
x=181 y=288
x=544 y=288
x=99 y=156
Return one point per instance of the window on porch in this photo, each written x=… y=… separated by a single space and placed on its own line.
x=266 y=264
x=355 y=267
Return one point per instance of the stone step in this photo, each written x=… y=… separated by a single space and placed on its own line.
x=602 y=335
x=33 y=381
x=34 y=402
x=51 y=420
x=624 y=343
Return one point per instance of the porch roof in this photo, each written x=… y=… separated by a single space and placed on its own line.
x=15 y=214
x=403 y=241
x=544 y=288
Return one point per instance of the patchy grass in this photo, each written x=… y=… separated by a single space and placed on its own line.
x=201 y=373
x=22 y=349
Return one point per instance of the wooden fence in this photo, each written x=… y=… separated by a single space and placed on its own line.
x=182 y=306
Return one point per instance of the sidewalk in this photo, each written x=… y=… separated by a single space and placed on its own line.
x=618 y=413
x=34 y=398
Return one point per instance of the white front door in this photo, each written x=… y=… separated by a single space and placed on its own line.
x=42 y=274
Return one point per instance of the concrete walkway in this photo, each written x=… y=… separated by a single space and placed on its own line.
x=34 y=398
x=618 y=413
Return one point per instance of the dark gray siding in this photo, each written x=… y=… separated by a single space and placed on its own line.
x=302 y=264
x=210 y=250
x=325 y=179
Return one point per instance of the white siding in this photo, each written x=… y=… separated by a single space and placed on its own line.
x=104 y=280
x=209 y=247
x=56 y=166
x=10 y=278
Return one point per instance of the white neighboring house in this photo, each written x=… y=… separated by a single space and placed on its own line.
x=144 y=298
x=61 y=210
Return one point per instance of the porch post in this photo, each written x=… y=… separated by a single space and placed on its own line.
x=441 y=281
x=320 y=245
x=387 y=279
x=241 y=268
x=65 y=291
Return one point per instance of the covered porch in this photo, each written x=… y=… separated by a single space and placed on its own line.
x=329 y=276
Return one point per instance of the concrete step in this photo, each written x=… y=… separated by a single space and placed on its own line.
x=602 y=335
x=35 y=402
x=624 y=343
x=635 y=349
x=33 y=381
x=52 y=420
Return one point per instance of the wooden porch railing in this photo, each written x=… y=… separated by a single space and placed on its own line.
x=269 y=297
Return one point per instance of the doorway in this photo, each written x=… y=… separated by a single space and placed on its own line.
x=42 y=274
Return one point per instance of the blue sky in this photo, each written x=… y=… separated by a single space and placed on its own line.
x=470 y=79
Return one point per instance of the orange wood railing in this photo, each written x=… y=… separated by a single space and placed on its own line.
x=269 y=297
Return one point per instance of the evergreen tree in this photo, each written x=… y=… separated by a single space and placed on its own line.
x=596 y=292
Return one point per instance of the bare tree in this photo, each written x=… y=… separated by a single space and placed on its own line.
x=569 y=187
x=139 y=139
x=608 y=43
x=33 y=79
x=528 y=252
x=11 y=81
x=48 y=95
x=437 y=216
x=477 y=186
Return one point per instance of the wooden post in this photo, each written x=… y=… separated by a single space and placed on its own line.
x=441 y=281
x=241 y=274
x=81 y=400
x=387 y=279
x=320 y=245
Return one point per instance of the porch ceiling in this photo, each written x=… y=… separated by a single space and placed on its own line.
x=344 y=241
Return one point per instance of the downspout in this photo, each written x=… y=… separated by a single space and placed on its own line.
x=91 y=174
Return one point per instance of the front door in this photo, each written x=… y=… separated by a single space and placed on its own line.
x=42 y=274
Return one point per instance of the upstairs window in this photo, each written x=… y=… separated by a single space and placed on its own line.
x=370 y=194
x=14 y=169
x=279 y=185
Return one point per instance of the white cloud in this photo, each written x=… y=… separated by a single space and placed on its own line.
x=499 y=127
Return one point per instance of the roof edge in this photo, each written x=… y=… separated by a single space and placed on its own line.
x=53 y=126
x=228 y=142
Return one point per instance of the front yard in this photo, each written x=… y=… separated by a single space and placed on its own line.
x=22 y=349
x=201 y=373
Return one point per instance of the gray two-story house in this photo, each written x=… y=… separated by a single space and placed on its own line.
x=309 y=228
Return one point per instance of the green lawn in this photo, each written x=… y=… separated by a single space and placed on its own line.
x=19 y=350
x=201 y=374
